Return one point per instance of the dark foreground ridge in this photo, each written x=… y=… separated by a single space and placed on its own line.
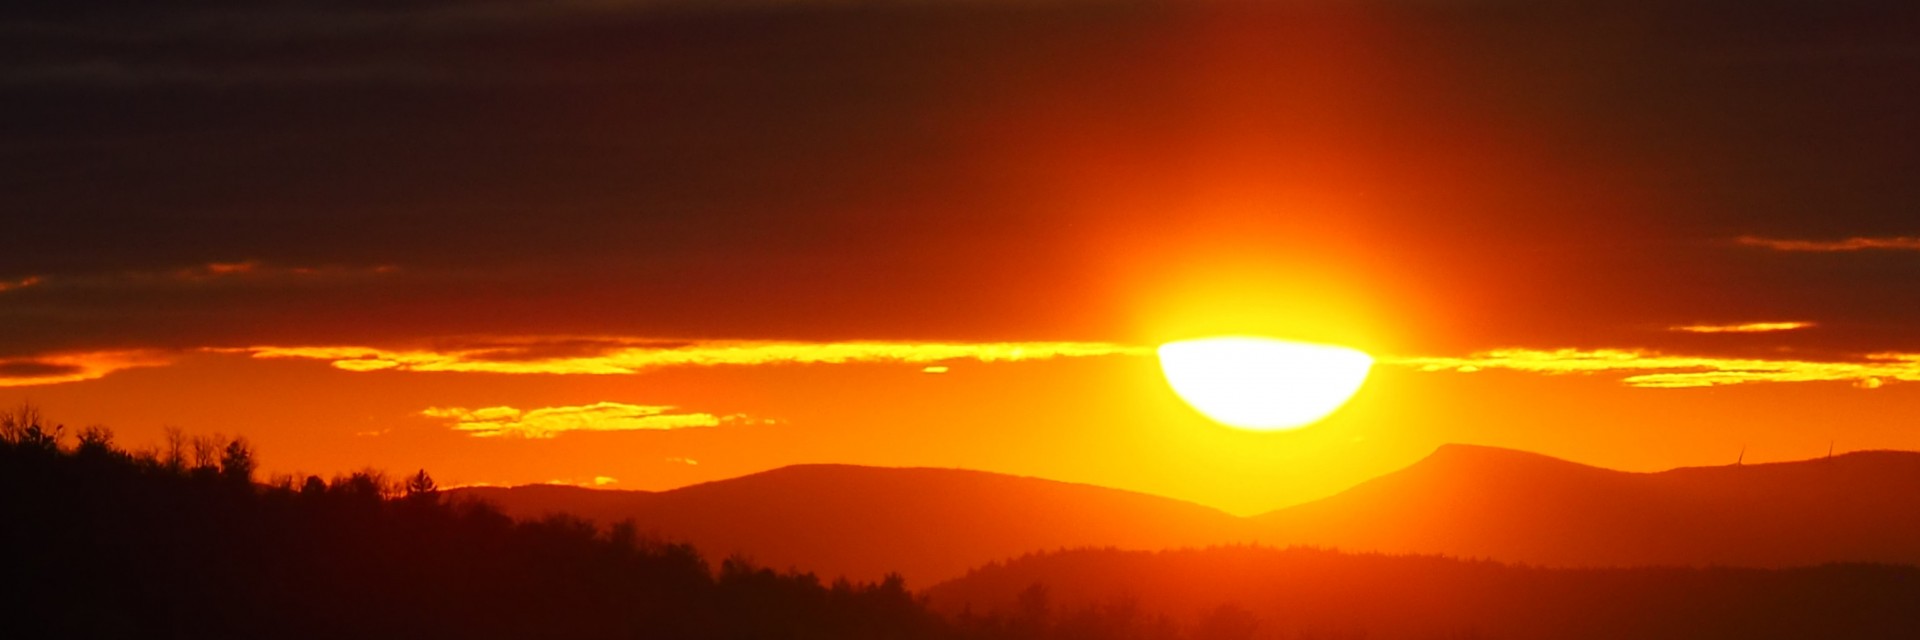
x=1249 y=592
x=182 y=543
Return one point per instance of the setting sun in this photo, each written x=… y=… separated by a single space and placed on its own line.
x=960 y=320
x=1262 y=383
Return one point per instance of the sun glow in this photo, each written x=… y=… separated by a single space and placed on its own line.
x=1261 y=383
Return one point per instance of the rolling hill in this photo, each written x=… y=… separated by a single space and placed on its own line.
x=1464 y=501
x=863 y=522
x=1514 y=506
x=1242 y=593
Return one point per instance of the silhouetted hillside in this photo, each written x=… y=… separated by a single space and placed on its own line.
x=863 y=522
x=1522 y=507
x=1253 y=592
x=1467 y=501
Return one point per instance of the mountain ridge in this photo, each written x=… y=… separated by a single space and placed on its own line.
x=1523 y=507
x=864 y=522
x=932 y=523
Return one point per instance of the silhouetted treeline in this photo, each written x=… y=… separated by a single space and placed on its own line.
x=182 y=543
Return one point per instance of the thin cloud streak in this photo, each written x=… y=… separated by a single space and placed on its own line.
x=20 y=283
x=1651 y=369
x=622 y=356
x=1748 y=327
x=548 y=422
x=587 y=483
x=1645 y=368
x=257 y=270
x=242 y=271
x=57 y=368
x=1890 y=243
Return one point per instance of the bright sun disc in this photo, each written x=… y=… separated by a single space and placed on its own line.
x=1262 y=383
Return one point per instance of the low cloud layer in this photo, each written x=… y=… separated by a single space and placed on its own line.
x=548 y=422
x=74 y=367
x=1886 y=243
x=621 y=356
x=1745 y=327
x=1657 y=370
x=626 y=356
x=19 y=283
x=237 y=272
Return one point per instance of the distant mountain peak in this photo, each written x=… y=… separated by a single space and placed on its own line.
x=866 y=521
x=1468 y=449
x=826 y=468
x=1474 y=458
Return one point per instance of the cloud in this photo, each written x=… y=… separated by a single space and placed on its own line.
x=615 y=356
x=1888 y=243
x=618 y=356
x=403 y=43
x=442 y=136
x=35 y=368
x=1749 y=327
x=20 y=283
x=590 y=483
x=257 y=270
x=308 y=20
x=217 y=269
x=239 y=271
x=1656 y=370
x=548 y=422
x=74 y=367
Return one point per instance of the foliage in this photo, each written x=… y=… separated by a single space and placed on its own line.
x=181 y=543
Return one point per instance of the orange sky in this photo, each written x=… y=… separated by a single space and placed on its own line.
x=1106 y=420
x=664 y=246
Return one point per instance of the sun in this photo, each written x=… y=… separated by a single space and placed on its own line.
x=1262 y=383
